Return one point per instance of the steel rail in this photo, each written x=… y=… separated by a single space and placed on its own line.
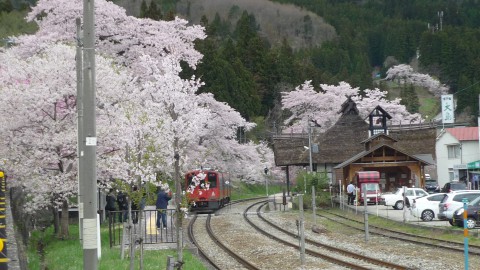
x=334 y=249
x=201 y=252
x=308 y=251
x=412 y=238
x=237 y=257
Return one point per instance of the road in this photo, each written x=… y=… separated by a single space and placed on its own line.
x=398 y=215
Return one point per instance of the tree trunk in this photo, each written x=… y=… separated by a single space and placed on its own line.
x=64 y=232
x=56 y=225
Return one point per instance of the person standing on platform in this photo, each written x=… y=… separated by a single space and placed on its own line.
x=351 y=193
x=110 y=206
x=162 y=203
x=122 y=206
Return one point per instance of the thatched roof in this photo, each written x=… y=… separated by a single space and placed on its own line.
x=342 y=141
x=337 y=144
x=416 y=141
x=290 y=150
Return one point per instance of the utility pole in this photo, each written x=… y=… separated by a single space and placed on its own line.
x=310 y=146
x=88 y=174
x=79 y=68
x=178 y=202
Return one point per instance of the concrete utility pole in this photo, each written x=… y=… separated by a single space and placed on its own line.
x=178 y=202
x=301 y=229
x=80 y=147
x=88 y=174
x=310 y=146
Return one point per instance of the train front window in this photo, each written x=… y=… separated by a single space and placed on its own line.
x=212 y=179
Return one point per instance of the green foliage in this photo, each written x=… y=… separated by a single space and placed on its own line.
x=322 y=199
x=258 y=133
x=13 y=24
x=57 y=252
x=305 y=181
x=6 y=6
x=410 y=98
x=467 y=94
x=147 y=192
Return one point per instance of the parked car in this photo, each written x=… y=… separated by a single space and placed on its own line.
x=431 y=186
x=472 y=214
x=453 y=201
x=396 y=199
x=452 y=186
x=426 y=208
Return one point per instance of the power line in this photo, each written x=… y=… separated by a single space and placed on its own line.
x=466 y=88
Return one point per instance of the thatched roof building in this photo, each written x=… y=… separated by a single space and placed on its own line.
x=347 y=139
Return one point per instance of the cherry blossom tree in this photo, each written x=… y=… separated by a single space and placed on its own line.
x=306 y=104
x=404 y=74
x=145 y=111
x=130 y=40
x=39 y=118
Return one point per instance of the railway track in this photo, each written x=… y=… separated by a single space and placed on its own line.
x=402 y=236
x=213 y=250
x=335 y=255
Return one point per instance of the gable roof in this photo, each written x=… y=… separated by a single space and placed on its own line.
x=464 y=133
x=373 y=149
x=377 y=111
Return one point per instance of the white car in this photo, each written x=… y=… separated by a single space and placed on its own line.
x=426 y=208
x=396 y=199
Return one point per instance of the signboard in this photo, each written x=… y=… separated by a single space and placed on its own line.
x=460 y=166
x=448 y=116
x=474 y=165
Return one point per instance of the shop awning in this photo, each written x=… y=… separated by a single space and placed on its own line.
x=473 y=165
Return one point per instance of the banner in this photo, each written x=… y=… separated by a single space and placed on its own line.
x=448 y=116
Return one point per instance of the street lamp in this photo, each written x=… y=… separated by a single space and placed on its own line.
x=309 y=148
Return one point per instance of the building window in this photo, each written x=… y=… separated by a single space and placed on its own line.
x=451 y=175
x=453 y=151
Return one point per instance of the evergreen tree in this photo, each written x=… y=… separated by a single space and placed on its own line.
x=143 y=10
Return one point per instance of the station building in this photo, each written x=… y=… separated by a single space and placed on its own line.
x=401 y=154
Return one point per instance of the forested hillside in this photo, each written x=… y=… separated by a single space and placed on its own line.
x=257 y=49
x=439 y=38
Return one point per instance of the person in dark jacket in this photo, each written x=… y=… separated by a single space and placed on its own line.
x=110 y=206
x=122 y=206
x=161 y=205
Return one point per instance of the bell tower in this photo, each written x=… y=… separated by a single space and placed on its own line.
x=378 y=121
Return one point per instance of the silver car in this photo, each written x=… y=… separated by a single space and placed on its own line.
x=452 y=201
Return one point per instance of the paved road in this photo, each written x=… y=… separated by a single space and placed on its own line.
x=398 y=215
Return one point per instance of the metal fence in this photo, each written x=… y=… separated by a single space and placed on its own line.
x=143 y=227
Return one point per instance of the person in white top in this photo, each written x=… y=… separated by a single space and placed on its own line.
x=351 y=193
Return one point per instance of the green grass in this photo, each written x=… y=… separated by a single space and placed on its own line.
x=243 y=190
x=68 y=254
x=398 y=226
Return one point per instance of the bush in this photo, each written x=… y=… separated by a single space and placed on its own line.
x=305 y=181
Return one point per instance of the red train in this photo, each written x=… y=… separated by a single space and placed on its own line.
x=207 y=189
